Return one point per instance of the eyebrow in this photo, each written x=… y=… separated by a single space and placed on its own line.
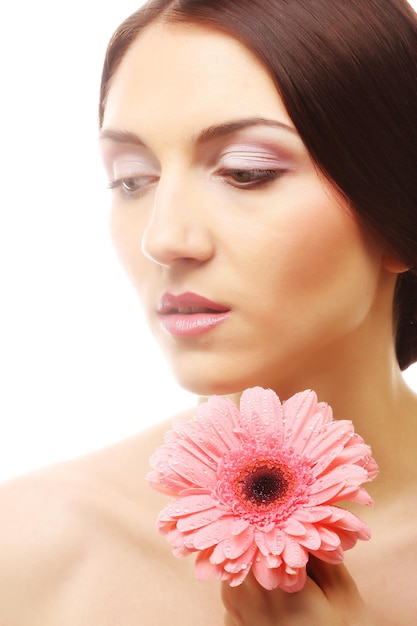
x=228 y=128
x=121 y=136
x=208 y=134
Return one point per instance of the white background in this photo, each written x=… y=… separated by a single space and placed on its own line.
x=78 y=369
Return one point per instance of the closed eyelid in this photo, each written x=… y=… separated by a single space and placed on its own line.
x=130 y=165
x=253 y=153
x=230 y=146
x=124 y=159
x=253 y=156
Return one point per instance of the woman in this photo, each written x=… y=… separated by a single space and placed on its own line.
x=261 y=157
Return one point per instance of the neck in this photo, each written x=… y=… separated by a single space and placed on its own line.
x=366 y=386
x=374 y=395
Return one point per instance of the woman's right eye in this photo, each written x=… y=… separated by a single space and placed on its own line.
x=132 y=185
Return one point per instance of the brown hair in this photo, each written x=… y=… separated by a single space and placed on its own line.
x=347 y=73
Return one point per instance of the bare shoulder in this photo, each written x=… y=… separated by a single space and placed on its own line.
x=78 y=539
x=40 y=541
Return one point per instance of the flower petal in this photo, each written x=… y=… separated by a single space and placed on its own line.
x=333 y=556
x=261 y=414
x=313 y=513
x=186 y=505
x=238 y=525
x=298 y=411
x=351 y=523
x=329 y=538
x=194 y=474
x=273 y=561
x=294 y=527
x=220 y=421
x=294 y=554
x=204 y=568
x=258 y=489
x=191 y=436
x=272 y=542
x=266 y=576
x=243 y=563
x=176 y=539
x=312 y=539
x=332 y=438
x=208 y=536
x=325 y=492
x=271 y=578
x=166 y=482
x=337 y=484
x=198 y=520
x=233 y=547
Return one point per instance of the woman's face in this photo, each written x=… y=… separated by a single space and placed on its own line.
x=215 y=198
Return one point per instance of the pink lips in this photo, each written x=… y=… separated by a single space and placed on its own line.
x=189 y=314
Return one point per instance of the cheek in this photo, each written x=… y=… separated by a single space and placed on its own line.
x=317 y=257
x=126 y=234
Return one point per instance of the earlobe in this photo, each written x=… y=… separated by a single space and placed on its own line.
x=393 y=263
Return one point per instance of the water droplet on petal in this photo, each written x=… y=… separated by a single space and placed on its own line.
x=288 y=434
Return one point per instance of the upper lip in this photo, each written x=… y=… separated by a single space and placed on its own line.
x=188 y=303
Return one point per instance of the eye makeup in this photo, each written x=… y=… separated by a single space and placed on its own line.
x=247 y=156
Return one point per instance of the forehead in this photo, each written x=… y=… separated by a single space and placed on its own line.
x=186 y=74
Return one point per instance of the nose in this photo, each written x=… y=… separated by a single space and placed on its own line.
x=178 y=226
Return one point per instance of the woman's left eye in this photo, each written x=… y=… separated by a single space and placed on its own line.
x=250 y=178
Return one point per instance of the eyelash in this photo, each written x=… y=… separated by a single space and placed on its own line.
x=257 y=177
x=123 y=184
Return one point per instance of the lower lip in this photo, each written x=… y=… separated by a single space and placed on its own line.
x=188 y=325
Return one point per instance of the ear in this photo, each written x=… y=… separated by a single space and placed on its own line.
x=392 y=262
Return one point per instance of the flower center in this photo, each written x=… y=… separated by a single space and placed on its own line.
x=264 y=485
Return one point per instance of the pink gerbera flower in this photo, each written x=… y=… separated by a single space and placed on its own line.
x=256 y=488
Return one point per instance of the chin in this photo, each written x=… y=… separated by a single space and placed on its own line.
x=210 y=385
x=204 y=383
x=204 y=388
x=208 y=375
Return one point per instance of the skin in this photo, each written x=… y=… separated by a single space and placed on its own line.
x=269 y=252
x=291 y=262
